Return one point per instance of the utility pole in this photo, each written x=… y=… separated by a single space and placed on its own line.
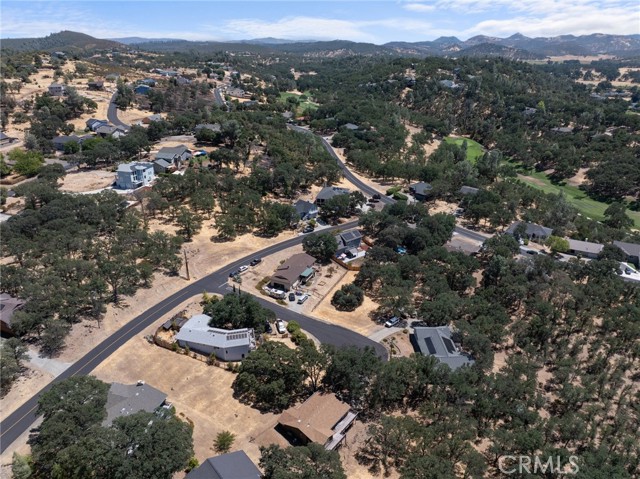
x=186 y=264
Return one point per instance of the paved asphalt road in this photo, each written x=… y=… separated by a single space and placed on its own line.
x=218 y=98
x=112 y=113
x=20 y=420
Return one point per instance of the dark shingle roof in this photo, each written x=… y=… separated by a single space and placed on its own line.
x=468 y=190
x=531 y=229
x=329 y=192
x=437 y=342
x=126 y=399
x=235 y=465
x=169 y=153
x=304 y=207
x=630 y=249
x=421 y=188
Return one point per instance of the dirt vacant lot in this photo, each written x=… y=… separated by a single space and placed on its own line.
x=83 y=181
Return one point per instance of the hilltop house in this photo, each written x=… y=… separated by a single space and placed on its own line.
x=322 y=419
x=421 y=190
x=235 y=465
x=298 y=269
x=130 y=176
x=329 y=192
x=227 y=345
x=437 y=342
x=348 y=242
x=531 y=231
x=127 y=399
x=305 y=209
x=8 y=306
x=56 y=89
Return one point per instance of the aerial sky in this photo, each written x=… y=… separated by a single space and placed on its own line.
x=374 y=21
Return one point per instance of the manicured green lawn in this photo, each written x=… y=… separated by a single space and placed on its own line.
x=304 y=105
x=578 y=198
x=474 y=149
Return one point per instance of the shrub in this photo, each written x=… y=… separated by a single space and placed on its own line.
x=293 y=326
x=348 y=298
x=224 y=441
x=298 y=336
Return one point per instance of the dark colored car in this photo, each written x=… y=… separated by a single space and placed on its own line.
x=292 y=296
x=255 y=261
x=267 y=327
x=308 y=229
x=376 y=196
x=233 y=273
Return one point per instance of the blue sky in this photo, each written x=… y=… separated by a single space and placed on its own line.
x=368 y=21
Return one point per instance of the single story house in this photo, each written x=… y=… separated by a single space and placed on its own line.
x=531 y=231
x=562 y=130
x=305 y=209
x=227 y=345
x=174 y=154
x=468 y=190
x=6 y=140
x=632 y=250
x=163 y=166
x=148 y=119
x=110 y=130
x=215 y=127
x=322 y=419
x=329 y=192
x=348 y=242
x=93 y=123
x=584 y=248
x=182 y=80
x=351 y=126
x=57 y=89
x=130 y=176
x=148 y=81
x=142 y=89
x=294 y=271
x=449 y=84
x=437 y=342
x=421 y=190
x=127 y=399
x=8 y=306
x=58 y=55
x=235 y=465
x=237 y=92
x=95 y=85
x=60 y=141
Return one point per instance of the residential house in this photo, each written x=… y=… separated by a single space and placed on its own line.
x=437 y=342
x=6 y=140
x=182 y=81
x=8 y=306
x=237 y=93
x=57 y=89
x=528 y=111
x=142 y=89
x=126 y=399
x=110 y=130
x=215 y=127
x=148 y=81
x=349 y=242
x=226 y=345
x=322 y=419
x=59 y=142
x=531 y=231
x=468 y=190
x=96 y=85
x=351 y=126
x=174 y=154
x=93 y=124
x=449 y=84
x=329 y=192
x=563 y=130
x=584 y=249
x=130 y=176
x=305 y=209
x=235 y=465
x=421 y=190
x=151 y=118
x=60 y=55
x=632 y=250
x=298 y=269
x=163 y=166
x=112 y=77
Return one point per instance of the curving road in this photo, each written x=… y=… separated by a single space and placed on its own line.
x=112 y=113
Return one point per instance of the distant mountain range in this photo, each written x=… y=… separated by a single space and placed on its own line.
x=516 y=46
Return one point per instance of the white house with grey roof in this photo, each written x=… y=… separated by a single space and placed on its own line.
x=584 y=249
x=437 y=342
x=227 y=345
x=127 y=399
x=130 y=176
x=174 y=154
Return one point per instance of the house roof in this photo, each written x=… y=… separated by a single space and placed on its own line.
x=531 y=229
x=468 y=190
x=8 y=305
x=163 y=163
x=3 y=136
x=109 y=129
x=56 y=85
x=292 y=268
x=170 y=152
x=347 y=236
x=63 y=140
x=303 y=207
x=421 y=188
x=351 y=126
x=562 y=129
x=329 y=192
x=208 y=126
x=235 y=465
x=630 y=249
x=584 y=246
x=316 y=417
x=436 y=341
x=197 y=330
x=136 y=165
x=126 y=399
x=92 y=121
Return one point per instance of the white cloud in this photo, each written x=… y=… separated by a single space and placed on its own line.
x=419 y=7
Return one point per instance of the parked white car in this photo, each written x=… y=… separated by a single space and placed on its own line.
x=303 y=298
x=243 y=268
x=280 y=326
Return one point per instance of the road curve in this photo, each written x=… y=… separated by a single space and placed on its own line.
x=112 y=113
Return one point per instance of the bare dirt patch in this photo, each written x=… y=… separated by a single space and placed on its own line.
x=83 y=181
x=579 y=178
